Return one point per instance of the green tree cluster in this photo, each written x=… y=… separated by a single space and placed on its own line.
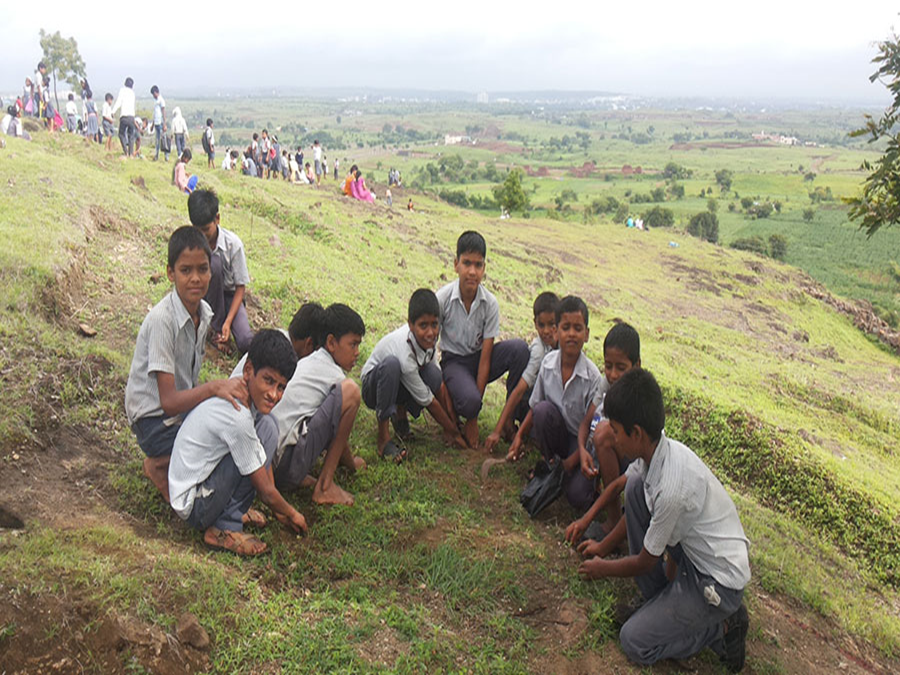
x=62 y=59
x=510 y=194
x=705 y=226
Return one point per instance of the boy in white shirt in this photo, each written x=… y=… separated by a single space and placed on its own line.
x=400 y=375
x=677 y=512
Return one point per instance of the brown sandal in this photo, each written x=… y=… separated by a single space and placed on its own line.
x=235 y=542
x=254 y=518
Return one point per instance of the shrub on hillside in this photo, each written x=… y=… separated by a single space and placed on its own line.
x=755 y=244
x=658 y=217
x=778 y=246
x=705 y=226
x=455 y=197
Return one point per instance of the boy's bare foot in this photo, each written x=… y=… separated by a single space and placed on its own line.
x=333 y=495
x=309 y=481
x=254 y=518
x=236 y=542
x=359 y=464
x=470 y=432
x=158 y=475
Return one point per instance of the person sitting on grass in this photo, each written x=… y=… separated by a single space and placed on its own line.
x=348 y=181
x=229 y=273
x=470 y=322
x=180 y=177
x=544 y=310
x=564 y=392
x=163 y=383
x=222 y=456
x=319 y=407
x=688 y=551
x=621 y=353
x=400 y=376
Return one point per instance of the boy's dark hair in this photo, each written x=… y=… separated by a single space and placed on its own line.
x=572 y=303
x=339 y=319
x=71 y=96
x=209 y=122
x=265 y=131
x=41 y=64
x=636 y=400
x=184 y=238
x=154 y=90
x=187 y=154
x=422 y=302
x=308 y=322
x=471 y=242
x=270 y=349
x=545 y=302
x=624 y=338
x=108 y=97
x=203 y=207
x=129 y=82
x=255 y=136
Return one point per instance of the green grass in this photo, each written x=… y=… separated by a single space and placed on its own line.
x=427 y=560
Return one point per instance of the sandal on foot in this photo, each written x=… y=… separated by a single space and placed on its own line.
x=237 y=543
x=254 y=518
x=393 y=452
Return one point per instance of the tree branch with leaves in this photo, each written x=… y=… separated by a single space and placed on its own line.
x=62 y=59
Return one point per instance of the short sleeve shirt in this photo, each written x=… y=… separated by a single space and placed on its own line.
x=402 y=344
x=537 y=350
x=689 y=506
x=158 y=110
x=313 y=378
x=230 y=250
x=167 y=343
x=572 y=398
x=211 y=431
x=462 y=332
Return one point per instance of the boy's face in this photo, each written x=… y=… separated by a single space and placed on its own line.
x=616 y=363
x=190 y=275
x=470 y=268
x=345 y=351
x=624 y=445
x=266 y=387
x=572 y=333
x=425 y=330
x=545 y=325
x=211 y=231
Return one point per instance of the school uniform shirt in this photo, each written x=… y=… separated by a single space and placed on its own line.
x=125 y=101
x=167 y=343
x=537 y=350
x=71 y=108
x=572 y=398
x=317 y=153
x=211 y=431
x=107 y=111
x=313 y=379
x=158 y=107
x=462 y=333
x=402 y=344
x=210 y=137
x=689 y=506
x=230 y=249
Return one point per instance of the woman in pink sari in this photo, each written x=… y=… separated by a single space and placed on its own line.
x=359 y=189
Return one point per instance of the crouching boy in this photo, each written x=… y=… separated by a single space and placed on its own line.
x=400 y=376
x=319 y=407
x=222 y=456
x=163 y=383
x=675 y=509
x=563 y=394
x=470 y=322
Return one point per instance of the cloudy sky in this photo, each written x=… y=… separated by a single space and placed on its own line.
x=769 y=48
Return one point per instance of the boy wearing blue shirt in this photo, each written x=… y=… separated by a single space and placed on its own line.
x=470 y=322
x=564 y=392
x=676 y=511
x=163 y=382
x=400 y=375
x=222 y=456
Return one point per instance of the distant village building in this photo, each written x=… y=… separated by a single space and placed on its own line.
x=481 y=97
x=762 y=136
x=456 y=140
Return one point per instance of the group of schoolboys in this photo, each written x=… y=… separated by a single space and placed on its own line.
x=289 y=401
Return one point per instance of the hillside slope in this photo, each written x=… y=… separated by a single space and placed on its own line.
x=794 y=408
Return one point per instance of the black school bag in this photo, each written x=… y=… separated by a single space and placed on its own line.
x=204 y=141
x=544 y=489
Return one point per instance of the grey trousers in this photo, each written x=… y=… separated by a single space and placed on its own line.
x=383 y=392
x=460 y=373
x=219 y=300
x=553 y=438
x=225 y=496
x=681 y=617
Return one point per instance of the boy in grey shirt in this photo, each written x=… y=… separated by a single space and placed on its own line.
x=678 y=512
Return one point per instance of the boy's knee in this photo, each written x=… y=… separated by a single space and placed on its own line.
x=520 y=352
x=267 y=432
x=350 y=394
x=390 y=365
x=469 y=407
x=541 y=412
x=634 y=491
x=602 y=438
x=633 y=645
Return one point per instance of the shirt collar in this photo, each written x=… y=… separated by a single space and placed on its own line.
x=456 y=295
x=658 y=459
x=220 y=240
x=182 y=315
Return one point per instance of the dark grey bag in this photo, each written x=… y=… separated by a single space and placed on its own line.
x=544 y=489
